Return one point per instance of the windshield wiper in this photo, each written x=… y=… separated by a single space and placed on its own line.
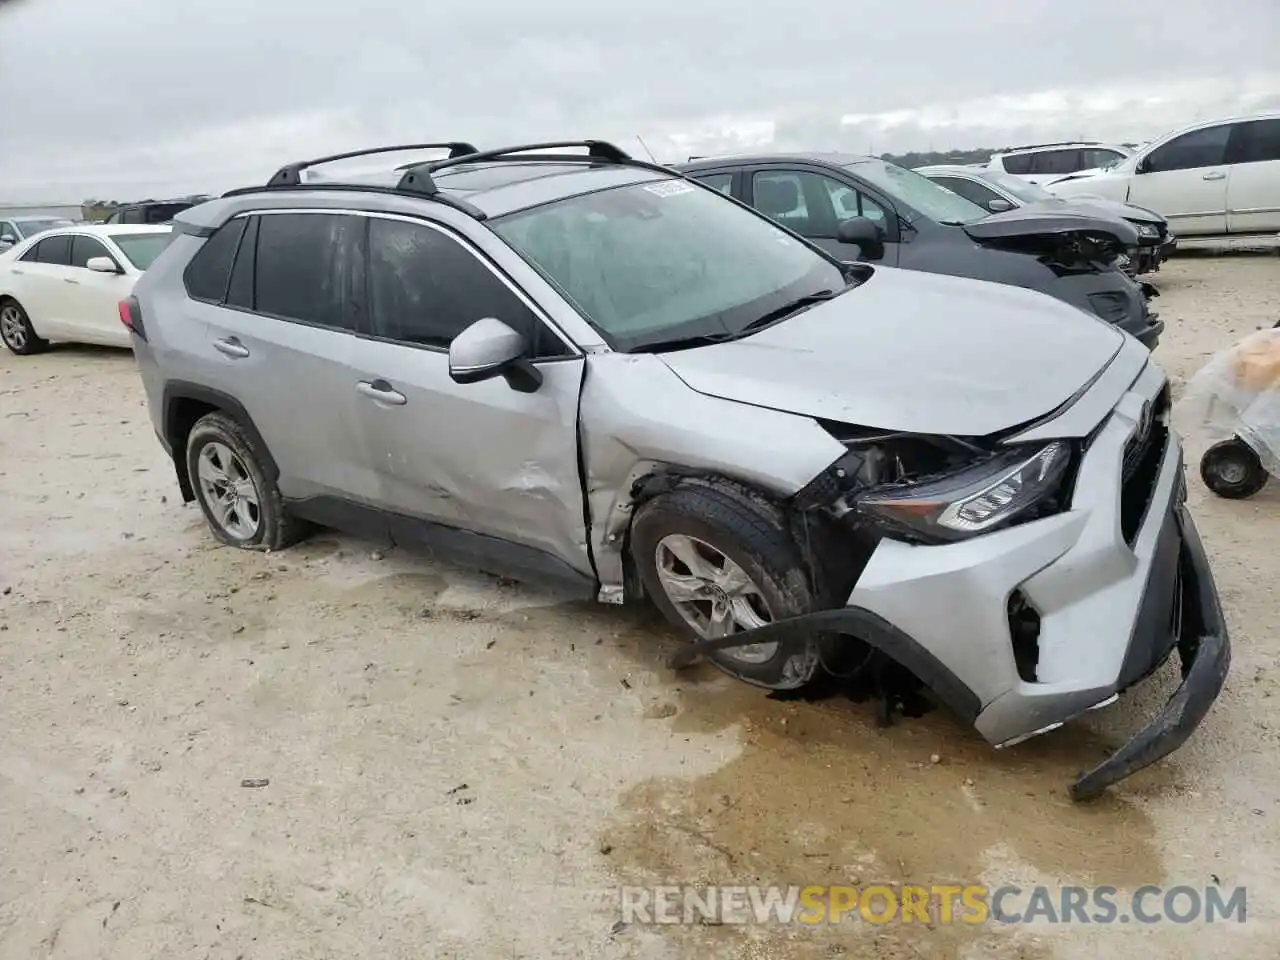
x=774 y=315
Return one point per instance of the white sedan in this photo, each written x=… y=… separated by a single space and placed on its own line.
x=66 y=284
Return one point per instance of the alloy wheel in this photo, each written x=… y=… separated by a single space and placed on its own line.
x=12 y=327
x=229 y=491
x=712 y=593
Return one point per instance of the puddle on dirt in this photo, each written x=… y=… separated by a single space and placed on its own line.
x=820 y=795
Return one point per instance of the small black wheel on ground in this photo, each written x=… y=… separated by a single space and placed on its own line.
x=242 y=505
x=1231 y=469
x=716 y=562
x=16 y=330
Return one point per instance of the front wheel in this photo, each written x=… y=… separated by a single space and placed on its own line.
x=1232 y=469
x=716 y=563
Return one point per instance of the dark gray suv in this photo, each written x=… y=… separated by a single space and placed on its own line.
x=867 y=208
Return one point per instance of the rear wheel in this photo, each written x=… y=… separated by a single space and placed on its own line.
x=242 y=505
x=16 y=330
x=1231 y=469
x=715 y=563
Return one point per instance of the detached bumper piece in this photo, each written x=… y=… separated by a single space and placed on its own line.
x=1205 y=651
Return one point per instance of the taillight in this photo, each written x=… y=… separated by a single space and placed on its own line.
x=131 y=316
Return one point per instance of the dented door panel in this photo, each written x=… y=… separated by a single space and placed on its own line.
x=480 y=457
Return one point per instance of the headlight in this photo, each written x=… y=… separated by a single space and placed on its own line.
x=1147 y=230
x=973 y=500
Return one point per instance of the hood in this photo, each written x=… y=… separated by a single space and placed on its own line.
x=912 y=351
x=1105 y=209
x=1050 y=221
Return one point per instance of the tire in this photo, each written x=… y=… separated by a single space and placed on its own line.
x=720 y=520
x=258 y=520
x=17 y=332
x=1231 y=469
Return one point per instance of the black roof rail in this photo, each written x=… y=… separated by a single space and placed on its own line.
x=1056 y=143
x=417 y=178
x=290 y=175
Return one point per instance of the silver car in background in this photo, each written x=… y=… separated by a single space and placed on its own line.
x=591 y=371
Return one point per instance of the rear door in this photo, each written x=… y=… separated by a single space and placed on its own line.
x=481 y=458
x=814 y=204
x=45 y=284
x=278 y=337
x=1253 y=189
x=1186 y=181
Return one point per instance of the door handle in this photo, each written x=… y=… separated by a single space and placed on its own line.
x=1214 y=175
x=70 y=280
x=231 y=347
x=381 y=391
x=19 y=273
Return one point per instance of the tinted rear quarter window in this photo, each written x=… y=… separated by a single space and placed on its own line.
x=209 y=272
x=306 y=267
x=1019 y=164
x=425 y=288
x=55 y=251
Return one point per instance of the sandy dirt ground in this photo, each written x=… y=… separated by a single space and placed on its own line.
x=460 y=767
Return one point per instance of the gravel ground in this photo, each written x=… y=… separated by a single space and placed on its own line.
x=457 y=767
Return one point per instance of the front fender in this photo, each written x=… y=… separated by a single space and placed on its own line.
x=638 y=417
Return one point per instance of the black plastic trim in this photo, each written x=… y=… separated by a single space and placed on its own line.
x=178 y=390
x=864 y=625
x=492 y=555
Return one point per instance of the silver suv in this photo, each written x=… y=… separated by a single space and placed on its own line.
x=592 y=371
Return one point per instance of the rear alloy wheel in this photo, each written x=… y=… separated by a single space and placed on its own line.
x=240 y=502
x=1232 y=469
x=16 y=330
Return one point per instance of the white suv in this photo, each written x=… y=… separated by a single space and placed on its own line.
x=1215 y=178
x=1039 y=163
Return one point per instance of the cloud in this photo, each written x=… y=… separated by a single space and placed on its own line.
x=202 y=95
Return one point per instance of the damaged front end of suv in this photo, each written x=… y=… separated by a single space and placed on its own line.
x=1024 y=577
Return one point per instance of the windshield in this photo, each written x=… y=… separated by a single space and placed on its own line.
x=1024 y=190
x=33 y=226
x=142 y=248
x=918 y=192
x=655 y=262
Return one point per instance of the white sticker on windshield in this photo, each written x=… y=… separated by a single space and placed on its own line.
x=670 y=188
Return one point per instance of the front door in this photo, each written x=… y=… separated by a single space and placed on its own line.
x=814 y=204
x=1186 y=181
x=493 y=471
x=94 y=298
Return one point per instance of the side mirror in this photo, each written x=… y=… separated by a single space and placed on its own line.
x=489 y=348
x=102 y=265
x=8 y=240
x=867 y=234
x=999 y=205
x=1141 y=166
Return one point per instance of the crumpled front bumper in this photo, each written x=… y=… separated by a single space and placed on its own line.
x=1205 y=651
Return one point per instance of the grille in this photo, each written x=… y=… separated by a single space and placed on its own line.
x=1142 y=464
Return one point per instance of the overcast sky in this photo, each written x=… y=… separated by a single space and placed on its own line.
x=124 y=98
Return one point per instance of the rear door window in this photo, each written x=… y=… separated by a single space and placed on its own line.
x=309 y=267
x=1051 y=162
x=209 y=273
x=55 y=251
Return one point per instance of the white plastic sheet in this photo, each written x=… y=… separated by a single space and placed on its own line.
x=1237 y=393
